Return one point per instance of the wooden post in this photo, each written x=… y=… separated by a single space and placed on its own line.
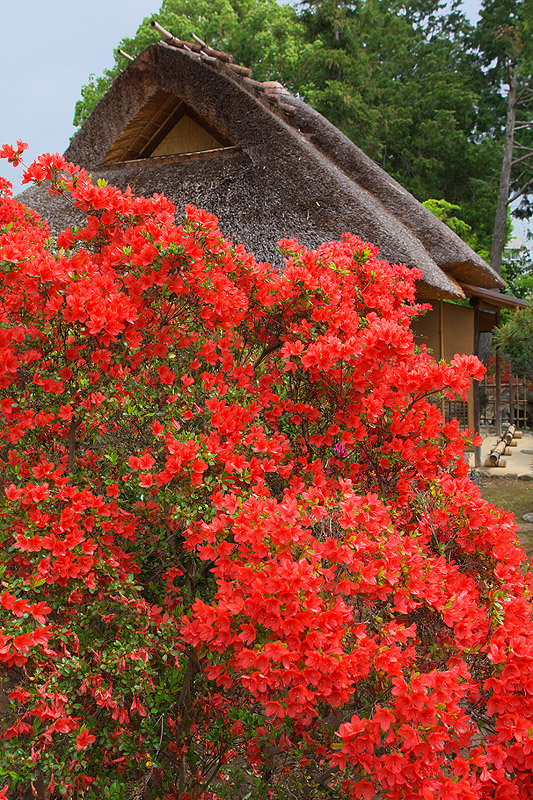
x=441 y=347
x=475 y=385
x=498 y=388
x=511 y=398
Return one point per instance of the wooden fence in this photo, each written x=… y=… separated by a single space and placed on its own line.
x=514 y=401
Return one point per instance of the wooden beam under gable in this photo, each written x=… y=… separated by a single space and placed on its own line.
x=166 y=126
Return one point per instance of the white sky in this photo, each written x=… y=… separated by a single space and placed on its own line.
x=48 y=49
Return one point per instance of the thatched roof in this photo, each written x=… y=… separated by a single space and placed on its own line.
x=491 y=300
x=269 y=166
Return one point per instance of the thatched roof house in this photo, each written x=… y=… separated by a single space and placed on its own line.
x=184 y=120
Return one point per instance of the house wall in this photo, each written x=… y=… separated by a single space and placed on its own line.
x=446 y=330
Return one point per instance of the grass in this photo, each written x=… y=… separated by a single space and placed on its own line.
x=515 y=496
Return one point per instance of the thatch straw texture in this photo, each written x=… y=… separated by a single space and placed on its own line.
x=285 y=171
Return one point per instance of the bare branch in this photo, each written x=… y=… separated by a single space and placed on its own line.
x=525 y=88
x=520 y=192
x=525 y=97
x=516 y=161
x=267 y=352
x=74 y=424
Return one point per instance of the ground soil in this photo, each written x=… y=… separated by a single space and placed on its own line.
x=513 y=495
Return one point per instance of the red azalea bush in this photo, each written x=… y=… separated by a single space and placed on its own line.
x=241 y=552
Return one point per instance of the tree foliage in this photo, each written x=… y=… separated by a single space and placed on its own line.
x=513 y=339
x=451 y=214
x=400 y=80
x=259 y=33
x=241 y=552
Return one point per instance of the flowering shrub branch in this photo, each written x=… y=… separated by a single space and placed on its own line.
x=241 y=553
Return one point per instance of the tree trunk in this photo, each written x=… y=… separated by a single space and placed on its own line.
x=500 y=220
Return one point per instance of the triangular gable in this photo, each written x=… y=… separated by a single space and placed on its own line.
x=166 y=126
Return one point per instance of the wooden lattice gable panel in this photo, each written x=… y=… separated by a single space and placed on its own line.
x=166 y=126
